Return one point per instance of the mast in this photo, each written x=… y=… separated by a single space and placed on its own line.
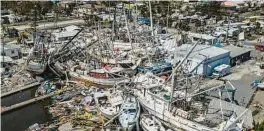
x=177 y=67
x=127 y=25
x=151 y=20
x=173 y=74
x=3 y=50
x=114 y=24
x=136 y=12
x=35 y=24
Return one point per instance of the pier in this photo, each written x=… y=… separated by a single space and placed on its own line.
x=20 y=89
x=24 y=103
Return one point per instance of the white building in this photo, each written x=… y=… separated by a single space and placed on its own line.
x=206 y=39
x=64 y=35
x=10 y=50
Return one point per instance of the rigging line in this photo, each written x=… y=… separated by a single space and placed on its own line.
x=174 y=70
x=220 y=95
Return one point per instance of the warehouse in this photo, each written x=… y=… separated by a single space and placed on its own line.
x=238 y=54
x=203 y=59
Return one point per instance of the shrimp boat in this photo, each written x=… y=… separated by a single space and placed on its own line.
x=130 y=112
x=105 y=76
x=150 y=123
x=109 y=102
x=155 y=99
x=37 y=60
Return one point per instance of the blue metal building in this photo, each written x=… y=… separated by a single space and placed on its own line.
x=204 y=58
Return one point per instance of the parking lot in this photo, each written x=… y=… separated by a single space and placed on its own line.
x=241 y=77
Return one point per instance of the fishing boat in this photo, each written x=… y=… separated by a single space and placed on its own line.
x=109 y=102
x=156 y=99
x=130 y=112
x=36 y=67
x=37 y=60
x=106 y=76
x=150 y=123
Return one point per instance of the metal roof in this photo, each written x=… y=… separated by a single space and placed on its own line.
x=236 y=51
x=201 y=51
x=202 y=36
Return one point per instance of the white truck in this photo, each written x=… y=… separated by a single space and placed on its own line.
x=221 y=70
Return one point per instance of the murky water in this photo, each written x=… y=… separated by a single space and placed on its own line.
x=20 y=119
x=18 y=97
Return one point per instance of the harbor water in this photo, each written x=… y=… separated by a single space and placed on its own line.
x=20 y=119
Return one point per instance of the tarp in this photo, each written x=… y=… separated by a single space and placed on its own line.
x=71 y=28
x=6 y=59
x=143 y=20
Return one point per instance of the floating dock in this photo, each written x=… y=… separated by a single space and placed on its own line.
x=20 y=89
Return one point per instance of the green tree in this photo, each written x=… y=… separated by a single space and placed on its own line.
x=259 y=126
x=44 y=7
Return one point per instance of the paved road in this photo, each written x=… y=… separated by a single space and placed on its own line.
x=51 y=24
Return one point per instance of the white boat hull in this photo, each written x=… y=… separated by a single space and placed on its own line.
x=98 y=81
x=129 y=125
x=174 y=121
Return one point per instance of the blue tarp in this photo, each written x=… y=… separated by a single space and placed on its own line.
x=218 y=45
x=143 y=20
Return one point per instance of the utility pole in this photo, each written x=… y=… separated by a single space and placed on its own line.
x=78 y=14
x=227 y=29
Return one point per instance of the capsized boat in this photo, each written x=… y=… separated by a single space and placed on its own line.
x=130 y=112
x=109 y=102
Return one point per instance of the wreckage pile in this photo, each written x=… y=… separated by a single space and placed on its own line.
x=15 y=78
x=73 y=103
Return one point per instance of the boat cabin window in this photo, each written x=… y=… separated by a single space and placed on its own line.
x=64 y=38
x=132 y=110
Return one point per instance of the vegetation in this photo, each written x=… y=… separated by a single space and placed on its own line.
x=27 y=8
x=255 y=112
x=259 y=126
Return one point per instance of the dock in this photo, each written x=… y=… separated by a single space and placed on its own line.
x=24 y=103
x=20 y=89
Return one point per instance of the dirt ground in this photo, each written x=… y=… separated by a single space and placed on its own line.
x=258 y=99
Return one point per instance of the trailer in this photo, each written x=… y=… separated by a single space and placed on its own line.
x=221 y=70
